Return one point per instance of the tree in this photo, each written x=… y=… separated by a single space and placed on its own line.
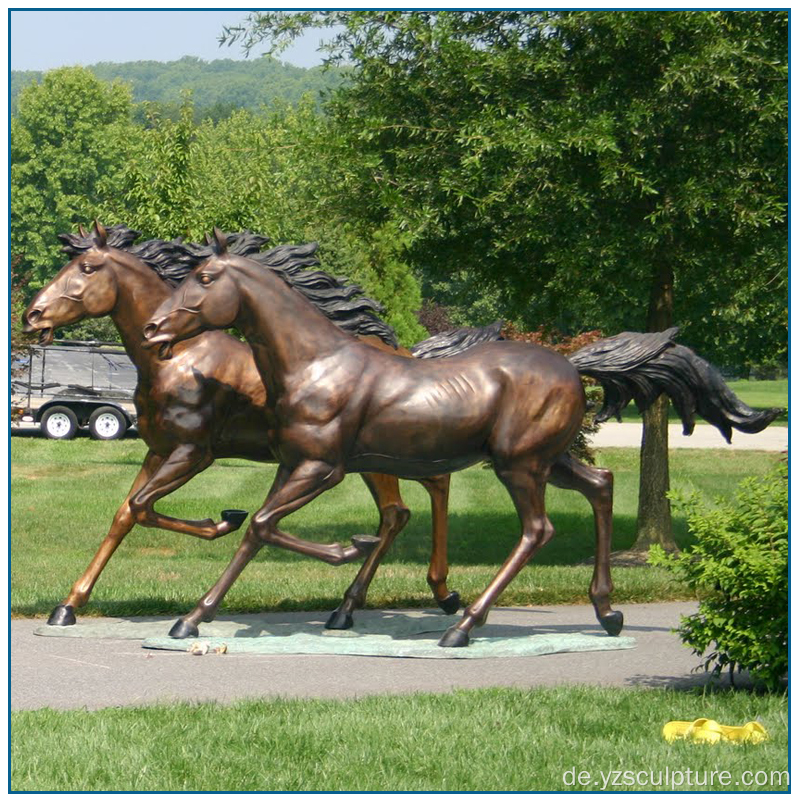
x=66 y=144
x=601 y=169
x=273 y=173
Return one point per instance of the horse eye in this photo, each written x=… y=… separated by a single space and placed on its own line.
x=87 y=269
x=205 y=279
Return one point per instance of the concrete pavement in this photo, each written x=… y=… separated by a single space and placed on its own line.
x=96 y=673
x=629 y=434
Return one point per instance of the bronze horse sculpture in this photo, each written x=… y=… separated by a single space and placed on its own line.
x=209 y=401
x=337 y=406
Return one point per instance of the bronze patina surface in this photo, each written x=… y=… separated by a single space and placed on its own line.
x=336 y=406
x=209 y=401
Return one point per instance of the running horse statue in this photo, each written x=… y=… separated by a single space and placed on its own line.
x=209 y=401
x=335 y=406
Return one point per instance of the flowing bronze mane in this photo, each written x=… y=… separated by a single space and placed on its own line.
x=342 y=302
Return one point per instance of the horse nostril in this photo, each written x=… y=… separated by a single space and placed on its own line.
x=33 y=315
x=149 y=329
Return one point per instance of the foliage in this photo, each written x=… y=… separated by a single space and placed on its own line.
x=740 y=568
x=273 y=174
x=66 y=146
x=434 y=318
x=566 y=345
x=220 y=86
x=581 y=161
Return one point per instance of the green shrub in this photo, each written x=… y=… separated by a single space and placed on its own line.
x=739 y=569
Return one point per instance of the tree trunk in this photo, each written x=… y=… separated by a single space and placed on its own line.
x=654 y=522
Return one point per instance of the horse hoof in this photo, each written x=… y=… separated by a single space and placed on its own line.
x=612 y=622
x=339 y=621
x=62 y=616
x=183 y=629
x=365 y=544
x=454 y=637
x=234 y=517
x=451 y=603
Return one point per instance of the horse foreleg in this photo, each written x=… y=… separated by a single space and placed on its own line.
x=527 y=491
x=290 y=490
x=439 y=490
x=394 y=517
x=179 y=467
x=597 y=486
x=64 y=613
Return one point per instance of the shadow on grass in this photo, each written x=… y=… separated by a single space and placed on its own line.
x=481 y=539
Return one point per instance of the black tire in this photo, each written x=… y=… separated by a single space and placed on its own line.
x=107 y=423
x=59 y=422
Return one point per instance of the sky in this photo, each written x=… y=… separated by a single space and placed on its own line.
x=46 y=39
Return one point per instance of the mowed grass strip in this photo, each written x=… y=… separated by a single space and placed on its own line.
x=64 y=495
x=492 y=739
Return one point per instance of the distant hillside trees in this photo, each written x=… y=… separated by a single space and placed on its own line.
x=218 y=87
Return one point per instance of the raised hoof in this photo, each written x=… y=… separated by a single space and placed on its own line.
x=454 y=637
x=62 y=616
x=451 y=603
x=365 y=544
x=235 y=517
x=339 y=621
x=183 y=629
x=612 y=622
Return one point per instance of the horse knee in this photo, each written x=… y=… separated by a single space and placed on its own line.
x=539 y=533
x=395 y=517
x=139 y=509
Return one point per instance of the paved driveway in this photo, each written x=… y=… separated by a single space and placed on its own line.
x=94 y=673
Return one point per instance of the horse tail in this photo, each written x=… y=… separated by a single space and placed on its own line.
x=642 y=366
x=451 y=343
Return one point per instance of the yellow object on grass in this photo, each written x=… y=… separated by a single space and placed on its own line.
x=709 y=731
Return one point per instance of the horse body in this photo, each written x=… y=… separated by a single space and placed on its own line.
x=207 y=402
x=340 y=406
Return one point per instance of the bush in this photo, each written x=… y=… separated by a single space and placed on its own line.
x=739 y=568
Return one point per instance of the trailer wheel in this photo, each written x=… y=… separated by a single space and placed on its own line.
x=107 y=423
x=59 y=422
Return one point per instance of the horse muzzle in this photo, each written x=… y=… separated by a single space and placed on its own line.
x=33 y=323
x=153 y=337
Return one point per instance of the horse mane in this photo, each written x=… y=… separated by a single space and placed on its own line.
x=343 y=303
x=119 y=236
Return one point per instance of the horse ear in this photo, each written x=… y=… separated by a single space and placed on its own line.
x=82 y=232
x=100 y=235
x=221 y=241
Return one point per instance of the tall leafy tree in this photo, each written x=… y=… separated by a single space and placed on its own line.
x=612 y=169
x=67 y=142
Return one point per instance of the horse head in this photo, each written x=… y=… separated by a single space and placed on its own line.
x=85 y=287
x=207 y=298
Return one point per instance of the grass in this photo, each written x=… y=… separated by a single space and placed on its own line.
x=490 y=739
x=757 y=394
x=64 y=494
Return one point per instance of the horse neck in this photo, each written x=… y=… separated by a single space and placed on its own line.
x=284 y=330
x=139 y=293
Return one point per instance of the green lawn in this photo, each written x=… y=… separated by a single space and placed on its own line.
x=757 y=394
x=492 y=739
x=64 y=494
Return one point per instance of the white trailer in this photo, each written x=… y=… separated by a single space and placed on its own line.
x=70 y=385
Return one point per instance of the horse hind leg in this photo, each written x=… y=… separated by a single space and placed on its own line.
x=439 y=490
x=597 y=486
x=394 y=517
x=526 y=488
